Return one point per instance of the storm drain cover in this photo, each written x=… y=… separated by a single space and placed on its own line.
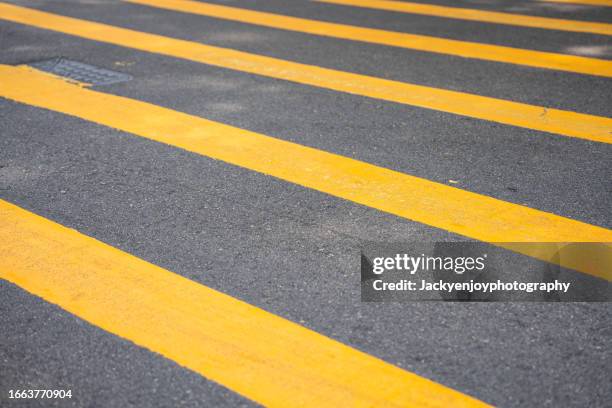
x=78 y=71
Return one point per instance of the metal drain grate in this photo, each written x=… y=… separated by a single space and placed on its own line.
x=80 y=72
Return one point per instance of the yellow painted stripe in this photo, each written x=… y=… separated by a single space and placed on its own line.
x=469 y=214
x=606 y=3
x=466 y=49
x=480 y=15
x=566 y=123
x=255 y=353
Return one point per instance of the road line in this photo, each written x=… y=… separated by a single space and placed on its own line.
x=438 y=205
x=566 y=123
x=603 y=3
x=484 y=16
x=538 y=59
x=255 y=353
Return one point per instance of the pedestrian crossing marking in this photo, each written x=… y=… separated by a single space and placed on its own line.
x=560 y=122
x=257 y=354
x=466 y=49
x=462 y=212
x=484 y=16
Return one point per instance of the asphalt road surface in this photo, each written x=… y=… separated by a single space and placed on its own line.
x=118 y=168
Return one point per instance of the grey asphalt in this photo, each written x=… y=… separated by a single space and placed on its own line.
x=287 y=249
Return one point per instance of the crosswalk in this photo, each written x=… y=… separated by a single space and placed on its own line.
x=472 y=215
x=464 y=49
x=512 y=19
x=235 y=344
x=565 y=123
x=224 y=339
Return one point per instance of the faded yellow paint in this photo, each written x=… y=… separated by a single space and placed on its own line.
x=539 y=59
x=484 y=16
x=566 y=123
x=462 y=212
x=254 y=353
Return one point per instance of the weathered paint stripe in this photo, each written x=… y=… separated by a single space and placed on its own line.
x=484 y=16
x=538 y=59
x=462 y=212
x=566 y=123
x=254 y=353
